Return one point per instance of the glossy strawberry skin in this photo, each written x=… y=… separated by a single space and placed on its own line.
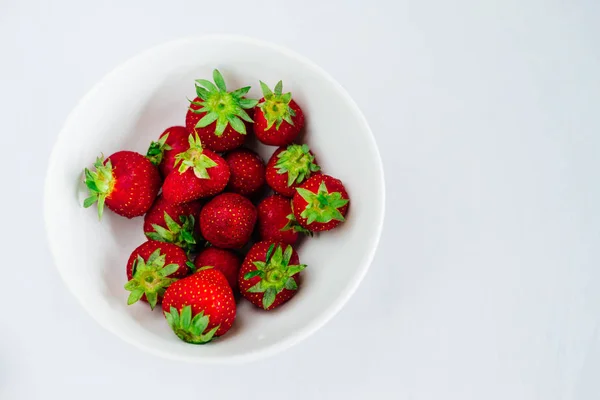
x=247 y=172
x=184 y=187
x=178 y=141
x=258 y=252
x=156 y=214
x=205 y=291
x=312 y=184
x=137 y=183
x=229 y=140
x=272 y=218
x=227 y=221
x=286 y=133
x=279 y=182
x=222 y=260
x=173 y=255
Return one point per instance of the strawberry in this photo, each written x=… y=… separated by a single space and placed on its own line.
x=276 y=222
x=222 y=260
x=201 y=173
x=219 y=116
x=269 y=275
x=321 y=203
x=126 y=181
x=278 y=119
x=289 y=167
x=247 y=172
x=151 y=268
x=227 y=221
x=170 y=143
x=200 y=307
x=174 y=223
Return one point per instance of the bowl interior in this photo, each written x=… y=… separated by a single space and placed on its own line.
x=131 y=107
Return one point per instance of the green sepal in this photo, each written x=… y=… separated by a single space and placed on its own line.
x=322 y=206
x=188 y=329
x=298 y=162
x=100 y=184
x=157 y=149
x=191 y=266
x=195 y=158
x=276 y=106
x=275 y=273
x=182 y=234
x=293 y=225
x=223 y=107
x=150 y=277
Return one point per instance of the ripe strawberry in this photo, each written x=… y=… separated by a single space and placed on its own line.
x=170 y=143
x=174 y=223
x=148 y=276
x=227 y=220
x=289 y=167
x=219 y=116
x=276 y=221
x=222 y=260
x=200 y=306
x=247 y=172
x=269 y=275
x=126 y=181
x=201 y=173
x=321 y=203
x=278 y=119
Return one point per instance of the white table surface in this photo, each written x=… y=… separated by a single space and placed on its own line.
x=486 y=284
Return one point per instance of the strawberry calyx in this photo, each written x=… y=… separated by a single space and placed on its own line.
x=276 y=274
x=188 y=329
x=276 y=106
x=293 y=225
x=150 y=278
x=226 y=108
x=182 y=235
x=322 y=206
x=195 y=158
x=157 y=149
x=100 y=183
x=298 y=162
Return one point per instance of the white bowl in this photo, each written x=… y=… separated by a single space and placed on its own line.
x=132 y=106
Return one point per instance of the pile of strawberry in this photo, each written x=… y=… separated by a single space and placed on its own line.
x=206 y=210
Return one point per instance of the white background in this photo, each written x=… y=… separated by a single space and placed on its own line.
x=486 y=284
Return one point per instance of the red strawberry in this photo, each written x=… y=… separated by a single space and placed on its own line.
x=247 y=172
x=222 y=260
x=127 y=182
x=289 y=167
x=278 y=119
x=269 y=275
x=227 y=220
x=170 y=143
x=276 y=221
x=321 y=203
x=201 y=173
x=200 y=306
x=219 y=116
x=174 y=223
x=151 y=268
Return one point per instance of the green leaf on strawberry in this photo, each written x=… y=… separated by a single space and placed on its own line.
x=100 y=184
x=298 y=162
x=275 y=273
x=222 y=106
x=182 y=235
x=293 y=225
x=188 y=329
x=157 y=149
x=275 y=107
x=150 y=278
x=322 y=206
x=195 y=158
